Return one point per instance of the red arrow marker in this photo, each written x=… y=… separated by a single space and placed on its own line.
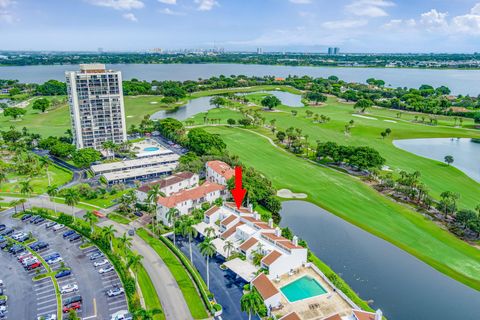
x=238 y=192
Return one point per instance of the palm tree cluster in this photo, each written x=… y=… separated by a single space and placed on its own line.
x=152 y=198
x=252 y=303
x=128 y=202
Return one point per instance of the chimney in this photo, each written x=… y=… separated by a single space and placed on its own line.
x=378 y=315
x=278 y=232
x=250 y=207
x=295 y=242
x=256 y=215
x=270 y=223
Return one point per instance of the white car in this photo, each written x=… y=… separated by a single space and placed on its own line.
x=72 y=287
x=1 y=283
x=106 y=269
x=121 y=315
x=56 y=260
x=48 y=317
x=100 y=263
x=3 y=309
x=115 y=292
x=58 y=227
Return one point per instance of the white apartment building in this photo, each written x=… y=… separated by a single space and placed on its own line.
x=97 y=112
x=218 y=172
x=187 y=200
x=250 y=236
x=169 y=185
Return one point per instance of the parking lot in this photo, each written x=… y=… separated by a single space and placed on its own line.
x=92 y=285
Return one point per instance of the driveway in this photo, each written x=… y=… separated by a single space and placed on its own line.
x=170 y=295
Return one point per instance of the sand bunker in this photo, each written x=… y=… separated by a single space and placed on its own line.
x=286 y=193
x=364 y=117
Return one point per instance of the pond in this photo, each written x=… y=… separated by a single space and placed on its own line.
x=459 y=81
x=202 y=104
x=404 y=287
x=287 y=98
x=466 y=153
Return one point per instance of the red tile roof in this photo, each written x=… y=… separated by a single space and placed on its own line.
x=271 y=258
x=231 y=231
x=225 y=222
x=221 y=168
x=168 y=181
x=363 y=315
x=234 y=206
x=292 y=316
x=211 y=211
x=334 y=317
x=190 y=194
x=248 y=244
x=264 y=286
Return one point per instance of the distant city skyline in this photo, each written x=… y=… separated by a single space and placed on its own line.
x=368 y=26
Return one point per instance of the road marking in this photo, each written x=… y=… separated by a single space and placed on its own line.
x=53 y=306
x=48 y=301
x=116 y=302
x=119 y=307
x=50 y=295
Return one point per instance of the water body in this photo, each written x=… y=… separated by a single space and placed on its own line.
x=465 y=152
x=459 y=81
x=404 y=287
x=202 y=104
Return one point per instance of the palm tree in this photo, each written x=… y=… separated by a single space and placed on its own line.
x=188 y=231
x=14 y=204
x=45 y=163
x=142 y=314
x=125 y=242
x=251 y=303
x=152 y=197
x=52 y=192
x=108 y=146
x=209 y=232
x=134 y=262
x=25 y=187
x=171 y=216
x=207 y=249
x=108 y=233
x=91 y=219
x=228 y=247
x=72 y=197
x=3 y=176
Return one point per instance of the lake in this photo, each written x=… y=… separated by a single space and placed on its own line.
x=466 y=154
x=459 y=81
x=202 y=104
x=404 y=287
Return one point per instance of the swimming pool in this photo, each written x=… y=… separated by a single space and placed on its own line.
x=302 y=288
x=151 y=149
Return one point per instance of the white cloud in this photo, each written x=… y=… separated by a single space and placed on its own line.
x=130 y=16
x=369 y=8
x=6 y=15
x=118 y=4
x=206 y=5
x=399 y=24
x=344 y=24
x=171 y=12
x=168 y=1
x=434 y=19
x=301 y=1
x=5 y=3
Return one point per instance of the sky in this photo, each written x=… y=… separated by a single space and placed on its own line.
x=364 y=26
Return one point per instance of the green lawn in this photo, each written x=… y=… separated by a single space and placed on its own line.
x=58 y=176
x=192 y=297
x=148 y=292
x=359 y=204
x=118 y=218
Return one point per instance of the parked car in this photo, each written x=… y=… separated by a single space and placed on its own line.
x=32 y=220
x=138 y=213
x=24 y=238
x=3 y=245
x=50 y=224
x=3 y=301
x=100 y=263
x=7 y=232
x=2 y=239
x=71 y=300
x=39 y=245
x=96 y=255
x=39 y=220
x=115 y=292
x=1 y=283
x=26 y=217
x=75 y=237
x=18 y=235
x=121 y=315
x=54 y=260
x=72 y=306
x=48 y=317
x=63 y=273
x=16 y=249
x=58 y=227
x=2 y=227
x=1 y=291
x=68 y=233
x=131 y=232
x=106 y=269
x=69 y=288
x=34 y=265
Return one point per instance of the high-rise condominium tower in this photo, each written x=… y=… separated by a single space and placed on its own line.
x=95 y=96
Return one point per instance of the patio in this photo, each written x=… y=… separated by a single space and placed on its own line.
x=244 y=269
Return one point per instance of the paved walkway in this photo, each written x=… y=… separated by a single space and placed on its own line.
x=168 y=291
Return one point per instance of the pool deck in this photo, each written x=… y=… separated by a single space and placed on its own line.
x=317 y=307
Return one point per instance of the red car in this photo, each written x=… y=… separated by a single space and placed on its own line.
x=73 y=306
x=34 y=265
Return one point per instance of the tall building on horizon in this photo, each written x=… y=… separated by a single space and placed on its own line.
x=333 y=51
x=97 y=111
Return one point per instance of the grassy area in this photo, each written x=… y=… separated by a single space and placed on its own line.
x=118 y=218
x=148 y=292
x=58 y=176
x=359 y=204
x=190 y=293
